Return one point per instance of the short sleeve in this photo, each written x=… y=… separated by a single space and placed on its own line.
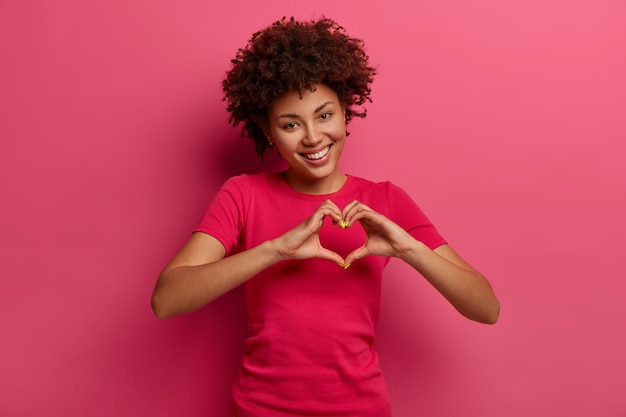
x=224 y=217
x=407 y=214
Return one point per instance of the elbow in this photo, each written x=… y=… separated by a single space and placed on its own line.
x=490 y=311
x=494 y=311
x=491 y=319
x=487 y=313
x=158 y=311
x=496 y=314
x=162 y=300
x=159 y=307
x=491 y=314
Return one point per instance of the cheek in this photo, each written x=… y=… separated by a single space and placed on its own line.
x=337 y=131
x=285 y=146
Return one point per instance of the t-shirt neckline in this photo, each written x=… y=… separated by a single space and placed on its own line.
x=280 y=178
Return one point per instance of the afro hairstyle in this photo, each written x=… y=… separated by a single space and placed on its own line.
x=295 y=55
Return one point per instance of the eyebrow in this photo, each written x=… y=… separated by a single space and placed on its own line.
x=295 y=116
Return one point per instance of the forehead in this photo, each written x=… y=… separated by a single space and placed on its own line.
x=309 y=101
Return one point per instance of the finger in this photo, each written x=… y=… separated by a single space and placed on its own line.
x=355 y=205
x=356 y=254
x=331 y=256
x=355 y=211
x=347 y=212
x=331 y=204
x=349 y=207
x=335 y=215
x=337 y=220
x=330 y=209
x=316 y=221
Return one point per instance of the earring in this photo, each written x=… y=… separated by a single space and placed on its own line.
x=271 y=143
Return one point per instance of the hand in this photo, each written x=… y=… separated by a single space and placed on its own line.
x=383 y=236
x=302 y=242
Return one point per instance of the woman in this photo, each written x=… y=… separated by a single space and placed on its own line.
x=310 y=242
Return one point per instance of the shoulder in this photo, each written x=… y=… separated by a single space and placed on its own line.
x=250 y=182
x=377 y=190
x=365 y=184
x=384 y=196
x=387 y=198
x=238 y=181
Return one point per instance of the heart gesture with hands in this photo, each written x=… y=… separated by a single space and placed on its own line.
x=383 y=236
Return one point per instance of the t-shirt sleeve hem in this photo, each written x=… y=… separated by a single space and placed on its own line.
x=434 y=245
x=222 y=241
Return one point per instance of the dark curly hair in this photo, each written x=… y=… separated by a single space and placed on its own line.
x=292 y=55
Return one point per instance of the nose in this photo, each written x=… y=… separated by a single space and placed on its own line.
x=313 y=135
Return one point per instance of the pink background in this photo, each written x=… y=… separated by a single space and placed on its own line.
x=504 y=120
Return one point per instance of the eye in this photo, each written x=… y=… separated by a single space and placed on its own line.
x=325 y=115
x=290 y=126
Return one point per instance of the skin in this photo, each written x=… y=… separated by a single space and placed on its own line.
x=308 y=125
x=300 y=126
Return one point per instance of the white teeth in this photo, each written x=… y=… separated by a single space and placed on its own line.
x=317 y=155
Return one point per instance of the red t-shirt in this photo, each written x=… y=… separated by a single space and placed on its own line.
x=312 y=323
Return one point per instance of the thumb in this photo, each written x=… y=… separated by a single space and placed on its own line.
x=357 y=254
x=331 y=256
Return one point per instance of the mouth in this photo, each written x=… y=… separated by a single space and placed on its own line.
x=317 y=155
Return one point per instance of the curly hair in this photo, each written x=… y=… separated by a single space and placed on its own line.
x=291 y=55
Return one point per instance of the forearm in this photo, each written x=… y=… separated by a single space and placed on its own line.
x=187 y=288
x=465 y=288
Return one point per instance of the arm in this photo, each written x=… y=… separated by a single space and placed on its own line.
x=200 y=272
x=464 y=287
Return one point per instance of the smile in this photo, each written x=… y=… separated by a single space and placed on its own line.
x=317 y=155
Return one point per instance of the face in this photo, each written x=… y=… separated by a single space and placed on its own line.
x=309 y=133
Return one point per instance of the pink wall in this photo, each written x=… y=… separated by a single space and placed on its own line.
x=505 y=121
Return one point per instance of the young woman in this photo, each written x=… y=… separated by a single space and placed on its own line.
x=310 y=243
